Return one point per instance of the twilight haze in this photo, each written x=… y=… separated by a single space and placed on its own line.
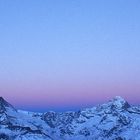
x=63 y=55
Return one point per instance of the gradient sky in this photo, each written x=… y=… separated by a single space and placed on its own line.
x=67 y=54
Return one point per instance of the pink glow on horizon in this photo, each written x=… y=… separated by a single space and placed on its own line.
x=67 y=96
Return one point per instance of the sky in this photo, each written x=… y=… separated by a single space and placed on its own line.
x=66 y=55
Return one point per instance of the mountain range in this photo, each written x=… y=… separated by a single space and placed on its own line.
x=114 y=120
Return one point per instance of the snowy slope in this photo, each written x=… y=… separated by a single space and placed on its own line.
x=115 y=120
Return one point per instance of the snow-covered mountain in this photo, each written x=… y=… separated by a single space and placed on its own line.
x=115 y=120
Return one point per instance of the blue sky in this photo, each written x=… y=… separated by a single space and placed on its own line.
x=51 y=49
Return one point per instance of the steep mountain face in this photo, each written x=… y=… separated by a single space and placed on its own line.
x=4 y=105
x=21 y=125
x=115 y=120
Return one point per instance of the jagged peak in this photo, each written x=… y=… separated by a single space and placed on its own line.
x=119 y=98
x=4 y=104
x=119 y=102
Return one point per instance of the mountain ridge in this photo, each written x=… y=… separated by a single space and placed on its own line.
x=114 y=120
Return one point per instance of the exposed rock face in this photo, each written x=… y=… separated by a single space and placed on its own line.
x=119 y=103
x=4 y=105
x=115 y=120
